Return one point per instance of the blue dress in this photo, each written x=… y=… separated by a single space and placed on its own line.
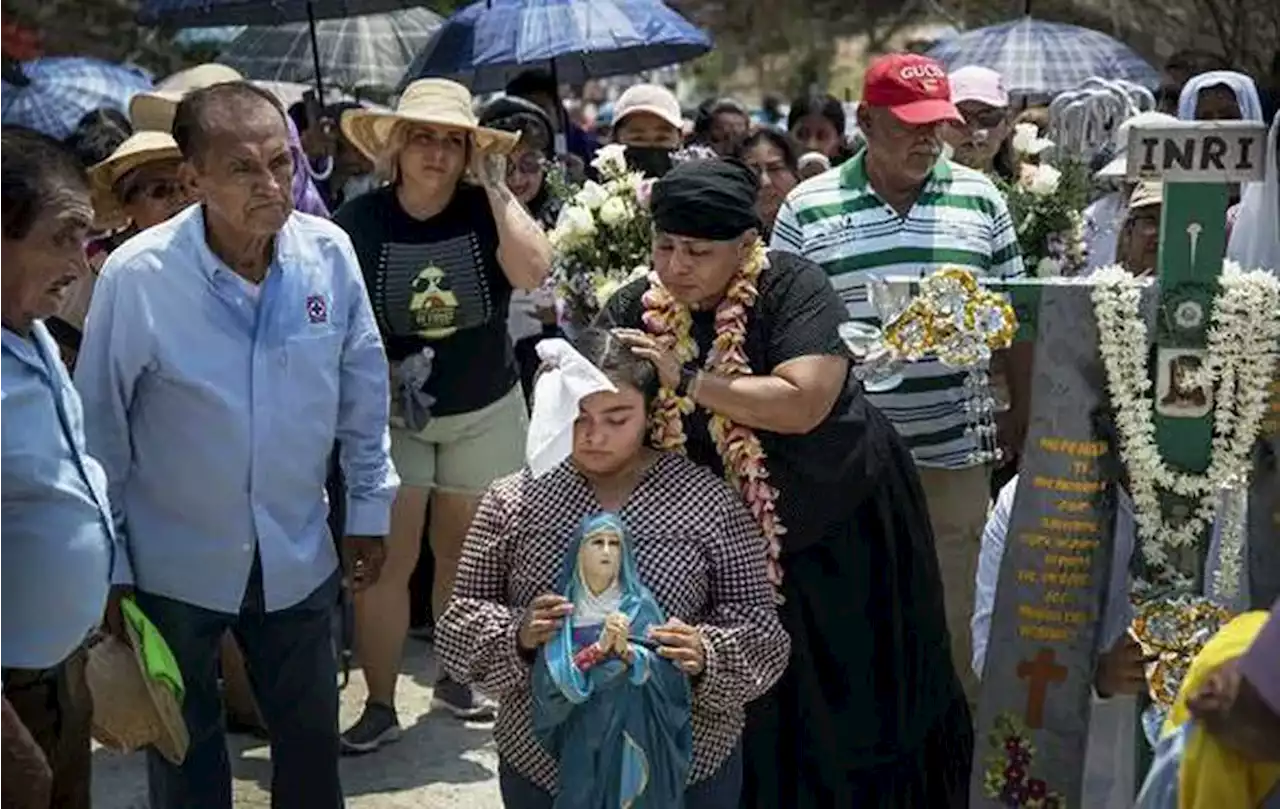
x=621 y=733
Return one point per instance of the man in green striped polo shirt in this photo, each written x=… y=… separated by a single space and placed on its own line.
x=900 y=208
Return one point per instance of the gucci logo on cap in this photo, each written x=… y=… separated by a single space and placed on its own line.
x=921 y=72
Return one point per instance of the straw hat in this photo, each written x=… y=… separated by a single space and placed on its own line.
x=154 y=110
x=130 y=709
x=1147 y=193
x=426 y=101
x=140 y=149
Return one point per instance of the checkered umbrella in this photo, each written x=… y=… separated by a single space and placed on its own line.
x=369 y=51
x=1044 y=58
x=59 y=91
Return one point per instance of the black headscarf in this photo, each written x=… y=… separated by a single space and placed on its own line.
x=706 y=199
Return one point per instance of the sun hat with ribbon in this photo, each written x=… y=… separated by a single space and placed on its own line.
x=154 y=110
x=425 y=101
x=568 y=378
x=137 y=690
x=138 y=150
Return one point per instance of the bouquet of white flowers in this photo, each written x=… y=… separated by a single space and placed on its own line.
x=1045 y=202
x=601 y=240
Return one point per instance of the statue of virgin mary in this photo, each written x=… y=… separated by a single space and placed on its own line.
x=614 y=714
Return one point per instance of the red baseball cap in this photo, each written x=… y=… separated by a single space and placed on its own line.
x=913 y=87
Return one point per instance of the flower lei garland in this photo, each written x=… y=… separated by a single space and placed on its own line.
x=670 y=323
x=1242 y=349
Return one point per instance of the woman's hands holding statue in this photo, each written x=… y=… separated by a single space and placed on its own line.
x=541 y=620
x=681 y=644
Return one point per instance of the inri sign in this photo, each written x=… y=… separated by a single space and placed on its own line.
x=1199 y=152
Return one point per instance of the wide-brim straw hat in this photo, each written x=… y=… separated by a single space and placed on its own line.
x=427 y=101
x=130 y=709
x=138 y=150
x=154 y=110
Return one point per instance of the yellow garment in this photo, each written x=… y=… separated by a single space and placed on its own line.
x=1212 y=776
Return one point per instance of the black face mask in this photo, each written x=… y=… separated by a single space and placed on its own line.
x=651 y=161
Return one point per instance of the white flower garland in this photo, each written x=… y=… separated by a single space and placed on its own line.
x=1242 y=347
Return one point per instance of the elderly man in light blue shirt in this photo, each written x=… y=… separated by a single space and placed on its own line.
x=57 y=536
x=225 y=351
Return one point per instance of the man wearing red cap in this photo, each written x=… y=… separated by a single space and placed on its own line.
x=899 y=208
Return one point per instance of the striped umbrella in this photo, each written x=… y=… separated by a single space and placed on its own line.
x=368 y=51
x=1039 y=58
x=59 y=91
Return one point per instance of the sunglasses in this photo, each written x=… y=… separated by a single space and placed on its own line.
x=527 y=164
x=156 y=190
x=984 y=119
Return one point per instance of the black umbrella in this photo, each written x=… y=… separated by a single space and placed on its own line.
x=210 y=13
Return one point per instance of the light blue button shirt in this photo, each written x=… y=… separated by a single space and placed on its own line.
x=214 y=410
x=57 y=537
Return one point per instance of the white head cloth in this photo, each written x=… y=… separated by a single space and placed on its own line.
x=1246 y=93
x=1255 y=238
x=556 y=396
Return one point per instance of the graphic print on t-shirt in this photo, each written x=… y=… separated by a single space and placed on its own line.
x=436 y=289
x=432 y=309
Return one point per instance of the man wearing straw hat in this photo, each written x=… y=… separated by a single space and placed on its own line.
x=58 y=546
x=225 y=351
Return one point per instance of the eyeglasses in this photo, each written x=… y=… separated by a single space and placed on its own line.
x=155 y=190
x=528 y=163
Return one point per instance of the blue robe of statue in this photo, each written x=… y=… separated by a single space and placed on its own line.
x=621 y=733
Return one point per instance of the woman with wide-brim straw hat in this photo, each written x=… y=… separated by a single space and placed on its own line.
x=442 y=246
x=139 y=185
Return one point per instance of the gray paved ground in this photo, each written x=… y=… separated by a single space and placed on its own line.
x=439 y=763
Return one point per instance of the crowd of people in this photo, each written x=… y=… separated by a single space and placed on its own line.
x=300 y=351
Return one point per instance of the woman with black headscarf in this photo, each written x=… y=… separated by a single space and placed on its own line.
x=756 y=385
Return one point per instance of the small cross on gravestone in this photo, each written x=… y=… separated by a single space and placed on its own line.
x=1039 y=674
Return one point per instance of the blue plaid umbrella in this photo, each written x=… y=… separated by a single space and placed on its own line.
x=61 y=90
x=1044 y=58
x=488 y=43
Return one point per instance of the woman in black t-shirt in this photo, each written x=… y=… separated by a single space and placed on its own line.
x=440 y=255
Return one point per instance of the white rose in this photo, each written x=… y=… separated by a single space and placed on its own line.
x=592 y=195
x=613 y=211
x=1048 y=268
x=609 y=159
x=1044 y=181
x=576 y=224
x=1027 y=140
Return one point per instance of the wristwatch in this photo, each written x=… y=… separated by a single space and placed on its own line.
x=687 y=375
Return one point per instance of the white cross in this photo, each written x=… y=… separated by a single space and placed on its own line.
x=1193 y=230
